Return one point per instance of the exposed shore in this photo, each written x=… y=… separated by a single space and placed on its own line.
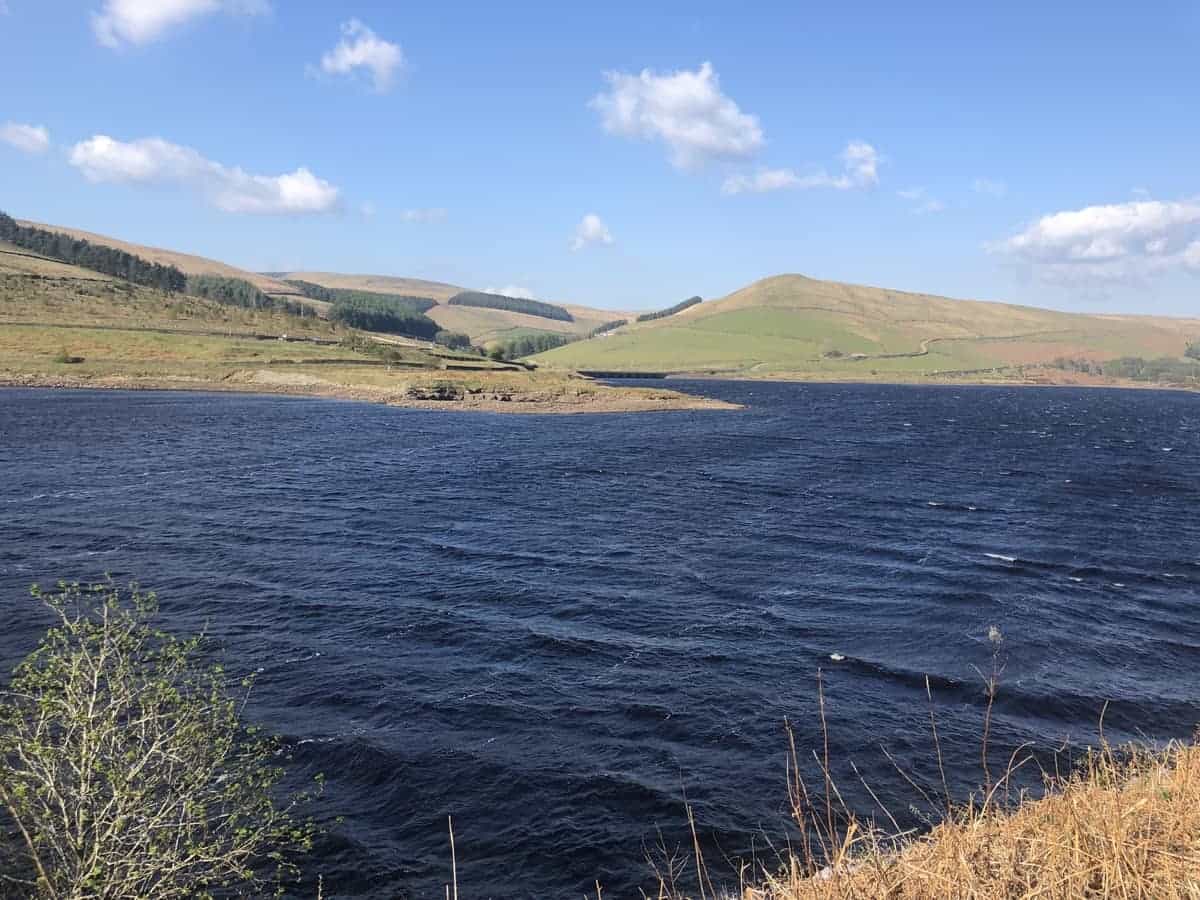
x=545 y=396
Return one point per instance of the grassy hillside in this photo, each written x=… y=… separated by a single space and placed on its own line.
x=796 y=325
x=485 y=326
x=185 y=262
x=383 y=284
x=65 y=326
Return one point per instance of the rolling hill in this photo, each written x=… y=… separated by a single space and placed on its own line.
x=64 y=325
x=383 y=284
x=790 y=324
x=485 y=326
x=185 y=262
x=787 y=325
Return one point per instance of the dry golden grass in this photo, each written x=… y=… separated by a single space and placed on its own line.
x=1123 y=825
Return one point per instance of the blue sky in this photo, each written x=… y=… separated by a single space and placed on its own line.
x=623 y=156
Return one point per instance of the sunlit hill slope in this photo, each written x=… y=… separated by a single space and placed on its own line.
x=793 y=324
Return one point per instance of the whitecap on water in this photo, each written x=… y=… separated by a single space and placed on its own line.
x=837 y=657
x=1001 y=557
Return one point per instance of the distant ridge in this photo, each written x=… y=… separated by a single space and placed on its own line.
x=793 y=324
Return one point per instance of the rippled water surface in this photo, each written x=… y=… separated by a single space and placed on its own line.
x=555 y=628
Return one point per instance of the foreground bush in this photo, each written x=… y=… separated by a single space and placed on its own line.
x=125 y=771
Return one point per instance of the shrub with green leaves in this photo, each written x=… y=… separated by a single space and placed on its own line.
x=125 y=770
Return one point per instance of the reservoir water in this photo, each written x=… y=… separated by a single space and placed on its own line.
x=556 y=629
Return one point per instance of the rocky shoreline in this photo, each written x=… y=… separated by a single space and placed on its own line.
x=598 y=399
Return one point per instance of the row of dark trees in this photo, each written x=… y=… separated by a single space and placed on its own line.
x=528 y=344
x=670 y=310
x=607 y=326
x=511 y=304
x=401 y=314
x=380 y=313
x=346 y=295
x=135 y=269
x=97 y=257
x=1193 y=350
x=454 y=340
x=241 y=293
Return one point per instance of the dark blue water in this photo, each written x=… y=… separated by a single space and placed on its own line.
x=555 y=628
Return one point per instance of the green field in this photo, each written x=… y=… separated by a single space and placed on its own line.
x=791 y=325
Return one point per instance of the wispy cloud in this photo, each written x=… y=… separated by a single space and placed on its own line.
x=860 y=169
x=1109 y=243
x=26 y=138
x=156 y=161
x=590 y=230
x=923 y=204
x=686 y=110
x=989 y=187
x=511 y=290
x=122 y=22
x=362 y=49
x=435 y=214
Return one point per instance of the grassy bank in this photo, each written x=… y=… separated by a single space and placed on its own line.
x=65 y=327
x=1107 y=822
x=1123 y=825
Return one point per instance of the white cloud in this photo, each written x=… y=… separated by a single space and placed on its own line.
x=26 y=138
x=1114 y=242
x=155 y=161
x=989 y=186
x=362 y=48
x=860 y=169
x=685 y=109
x=590 y=230
x=435 y=214
x=926 y=205
x=511 y=290
x=142 y=21
x=765 y=180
